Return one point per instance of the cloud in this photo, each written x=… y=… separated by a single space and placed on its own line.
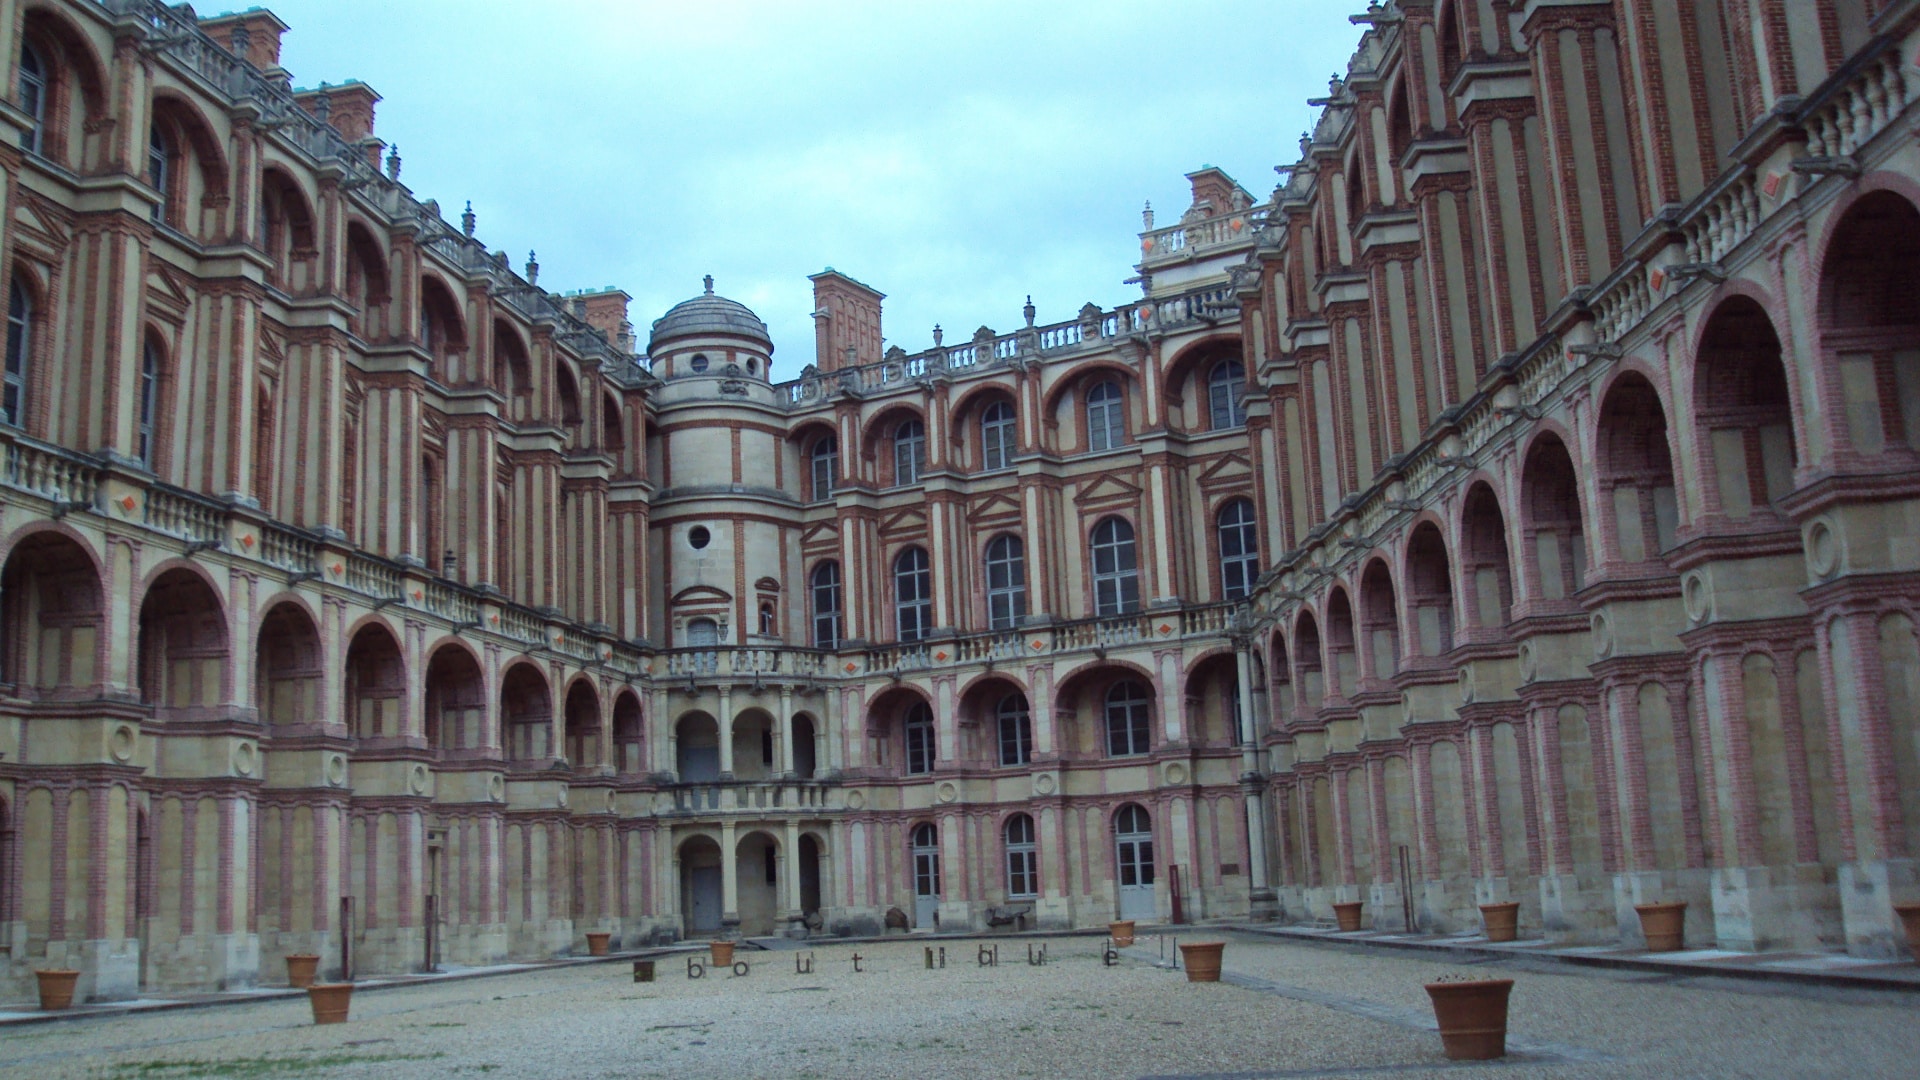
x=956 y=157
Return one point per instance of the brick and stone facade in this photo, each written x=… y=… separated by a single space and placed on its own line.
x=1516 y=504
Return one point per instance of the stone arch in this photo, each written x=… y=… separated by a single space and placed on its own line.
x=1080 y=702
x=184 y=651
x=76 y=86
x=1870 y=323
x=190 y=138
x=51 y=615
x=1429 y=580
x=456 y=701
x=978 y=720
x=512 y=371
x=368 y=285
x=376 y=690
x=1213 y=700
x=526 y=713
x=1635 y=466
x=1485 y=563
x=289 y=670
x=1310 y=678
x=696 y=741
x=290 y=238
x=755 y=735
x=1743 y=414
x=886 y=723
x=1185 y=383
x=1342 y=644
x=759 y=873
x=1280 y=689
x=585 y=733
x=698 y=857
x=629 y=733
x=1379 y=620
x=1553 y=544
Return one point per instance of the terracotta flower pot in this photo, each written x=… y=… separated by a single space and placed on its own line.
x=1502 y=920
x=1121 y=932
x=1910 y=918
x=722 y=953
x=1348 y=914
x=1203 y=960
x=1472 y=1016
x=1664 y=925
x=300 y=969
x=597 y=943
x=56 y=988
x=330 y=1002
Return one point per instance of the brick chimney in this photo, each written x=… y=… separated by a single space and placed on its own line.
x=606 y=311
x=1214 y=192
x=349 y=108
x=846 y=314
x=253 y=35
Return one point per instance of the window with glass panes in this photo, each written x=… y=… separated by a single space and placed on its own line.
x=1106 y=416
x=13 y=396
x=1239 y=549
x=1023 y=858
x=826 y=605
x=159 y=165
x=996 y=436
x=149 y=392
x=912 y=595
x=1006 y=582
x=1224 y=388
x=33 y=97
x=909 y=452
x=1116 y=572
x=1128 y=730
x=919 y=729
x=826 y=462
x=1016 y=730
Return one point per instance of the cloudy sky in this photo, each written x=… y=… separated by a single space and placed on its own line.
x=957 y=157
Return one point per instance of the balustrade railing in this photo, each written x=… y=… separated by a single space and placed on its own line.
x=289 y=550
x=192 y=518
x=50 y=473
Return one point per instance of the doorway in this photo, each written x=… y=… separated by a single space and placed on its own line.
x=1133 y=854
x=926 y=877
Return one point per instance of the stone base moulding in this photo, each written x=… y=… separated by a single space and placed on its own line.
x=56 y=988
x=1348 y=915
x=1664 y=925
x=1202 y=959
x=1472 y=1017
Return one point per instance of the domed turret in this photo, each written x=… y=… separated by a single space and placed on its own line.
x=709 y=316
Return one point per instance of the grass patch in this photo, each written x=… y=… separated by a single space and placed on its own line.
x=246 y=1068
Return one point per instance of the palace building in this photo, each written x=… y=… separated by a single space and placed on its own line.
x=1520 y=502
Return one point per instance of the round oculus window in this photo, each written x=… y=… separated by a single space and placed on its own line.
x=699 y=362
x=699 y=537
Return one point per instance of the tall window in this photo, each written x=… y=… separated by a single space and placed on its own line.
x=1224 y=388
x=13 y=398
x=826 y=462
x=1006 y=582
x=1106 y=416
x=996 y=436
x=159 y=166
x=1016 y=730
x=1127 y=724
x=1239 y=549
x=919 y=739
x=826 y=606
x=33 y=97
x=912 y=594
x=1023 y=860
x=149 y=401
x=768 y=622
x=909 y=452
x=1116 y=568
x=703 y=633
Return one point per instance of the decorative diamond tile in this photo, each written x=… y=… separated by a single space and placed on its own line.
x=851 y=667
x=1038 y=645
x=247 y=541
x=127 y=503
x=1166 y=628
x=941 y=656
x=337 y=569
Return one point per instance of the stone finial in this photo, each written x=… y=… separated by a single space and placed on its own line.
x=1146 y=216
x=323 y=105
x=938 y=334
x=467 y=219
x=1306 y=143
x=1029 y=311
x=533 y=268
x=393 y=162
x=709 y=282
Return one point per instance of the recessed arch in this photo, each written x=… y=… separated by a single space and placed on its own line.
x=184 y=646
x=376 y=689
x=1743 y=412
x=1635 y=466
x=1429 y=580
x=456 y=700
x=289 y=668
x=1554 y=551
x=51 y=615
x=526 y=713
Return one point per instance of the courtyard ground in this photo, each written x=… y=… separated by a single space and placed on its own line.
x=1290 y=1009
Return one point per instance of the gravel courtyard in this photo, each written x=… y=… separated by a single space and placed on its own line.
x=1296 y=1010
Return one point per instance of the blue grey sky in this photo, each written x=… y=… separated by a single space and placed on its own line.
x=955 y=156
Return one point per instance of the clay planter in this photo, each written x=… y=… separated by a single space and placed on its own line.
x=597 y=943
x=300 y=969
x=1203 y=960
x=722 y=953
x=1472 y=1016
x=1910 y=917
x=1502 y=920
x=56 y=988
x=1348 y=915
x=1121 y=932
x=1663 y=924
x=330 y=1001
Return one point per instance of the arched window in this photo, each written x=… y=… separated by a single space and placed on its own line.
x=912 y=595
x=1224 y=387
x=909 y=452
x=1116 y=569
x=826 y=605
x=996 y=436
x=826 y=464
x=703 y=633
x=1023 y=860
x=1128 y=731
x=1239 y=549
x=768 y=622
x=33 y=97
x=149 y=401
x=919 y=729
x=159 y=169
x=1106 y=416
x=1006 y=582
x=1016 y=730
x=13 y=398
